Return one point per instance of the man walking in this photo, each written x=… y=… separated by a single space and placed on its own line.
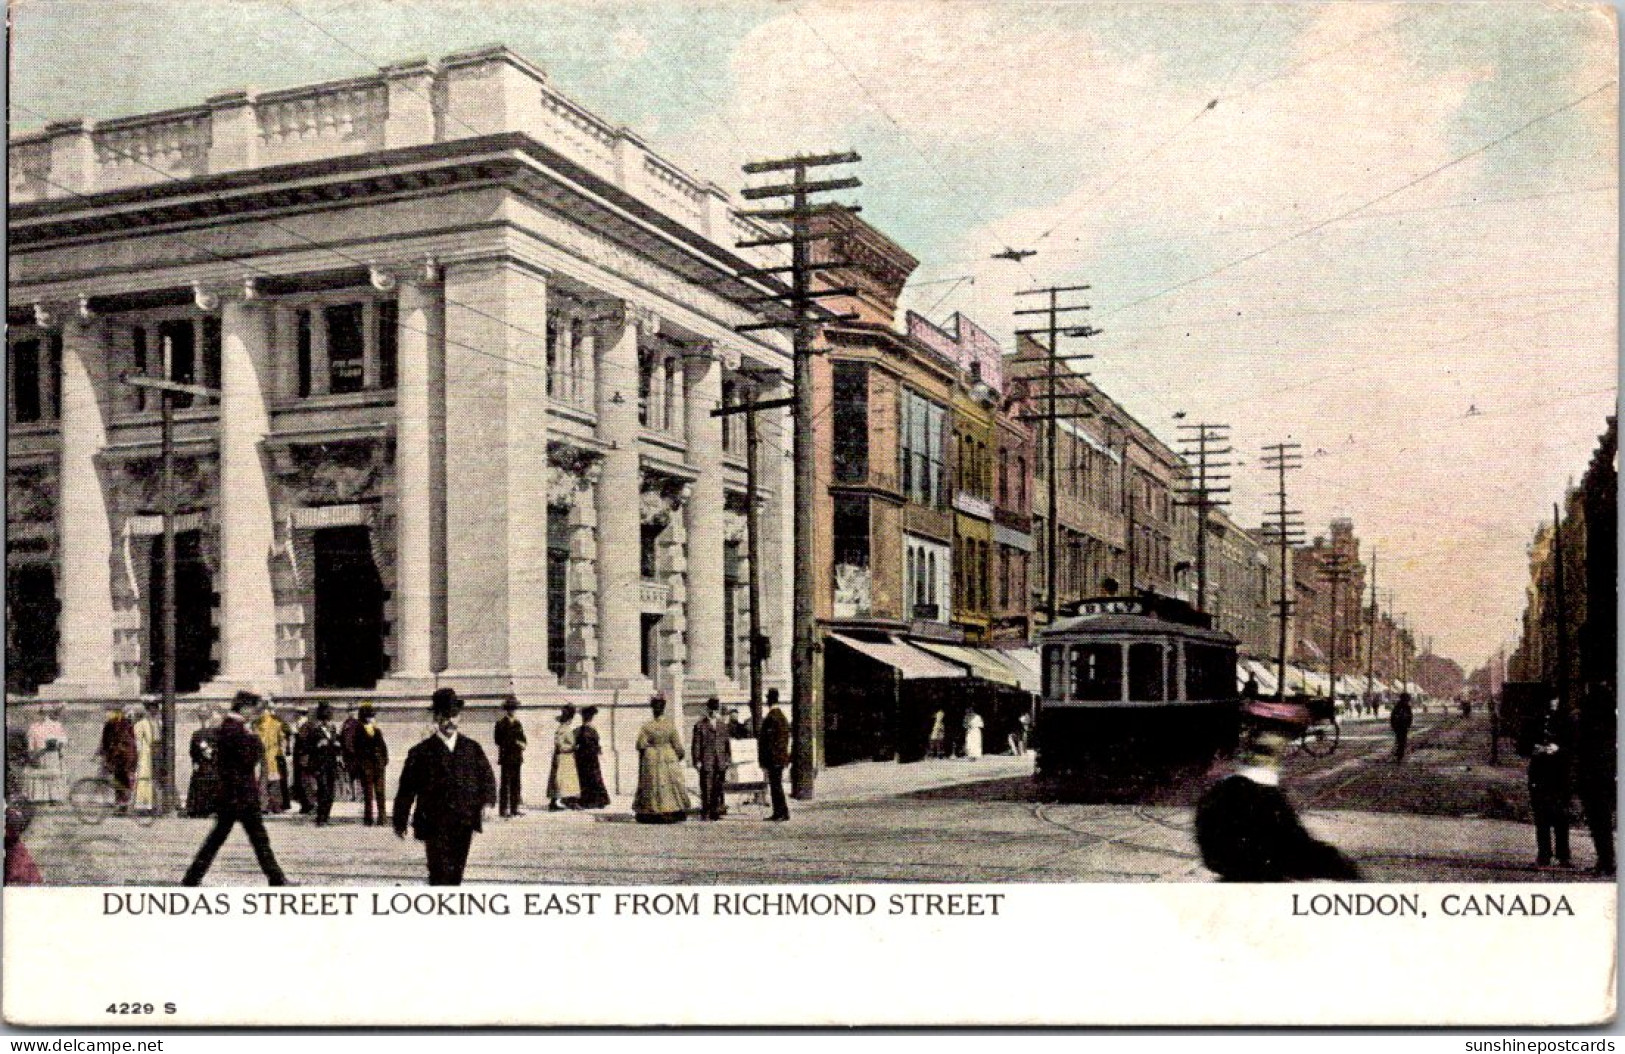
x=510 y=737
x=773 y=753
x=1399 y=719
x=323 y=756
x=1549 y=787
x=238 y=752
x=451 y=783
x=712 y=753
x=371 y=759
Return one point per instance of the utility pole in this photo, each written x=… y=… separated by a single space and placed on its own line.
x=1371 y=635
x=753 y=541
x=804 y=322
x=1284 y=527
x=1335 y=570
x=1205 y=443
x=167 y=390
x=1053 y=331
x=1561 y=610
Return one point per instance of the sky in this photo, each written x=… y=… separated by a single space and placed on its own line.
x=1386 y=232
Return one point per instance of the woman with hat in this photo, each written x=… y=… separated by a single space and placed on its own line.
x=47 y=739
x=662 y=796
x=204 y=787
x=594 y=795
x=564 y=783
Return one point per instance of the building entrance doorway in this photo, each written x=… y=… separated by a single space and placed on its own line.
x=31 y=630
x=194 y=622
x=349 y=622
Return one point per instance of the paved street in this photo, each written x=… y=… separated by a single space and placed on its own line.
x=1442 y=815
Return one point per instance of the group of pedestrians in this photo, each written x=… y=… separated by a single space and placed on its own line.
x=446 y=782
x=129 y=737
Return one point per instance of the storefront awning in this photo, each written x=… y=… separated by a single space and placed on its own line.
x=1025 y=663
x=909 y=661
x=977 y=660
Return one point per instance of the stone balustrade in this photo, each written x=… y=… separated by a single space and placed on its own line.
x=412 y=103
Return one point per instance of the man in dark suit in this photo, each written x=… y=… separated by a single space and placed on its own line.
x=1399 y=719
x=451 y=782
x=510 y=737
x=773 y=752
x=712 y=752
x=238 y=752
x=1549 y=785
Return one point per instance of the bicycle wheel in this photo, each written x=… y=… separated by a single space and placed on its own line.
x=1319 y=740
x=93 y=798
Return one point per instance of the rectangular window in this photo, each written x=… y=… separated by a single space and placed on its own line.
x=304 y=353
x=851 y=422
x=1097 y=672
x=177 y=337
x=732 y=573
x=346 y=348
x=1145 y=678
x=25 y=377
x=211 y=351
x=389 y=342
x=852 y=530
x=648 y=560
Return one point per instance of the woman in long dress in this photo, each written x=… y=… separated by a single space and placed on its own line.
x=118 y=753
x=47 y=740
x=594 y=795
x=662 y=796
x=202 y=792
x=146 y=735
x=973 y=734
x=563 y=785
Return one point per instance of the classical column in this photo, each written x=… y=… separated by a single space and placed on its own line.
x=672 y=567
x=420 y=569
x=704 y=515
x=243 y=509
x=496 y=479
x=85 y=648
x=619 y=518
x=583 y=580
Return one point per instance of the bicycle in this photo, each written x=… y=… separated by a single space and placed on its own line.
x=95 y=798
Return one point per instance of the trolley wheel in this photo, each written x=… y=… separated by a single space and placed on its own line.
x=93 y=798
x=1319 y=740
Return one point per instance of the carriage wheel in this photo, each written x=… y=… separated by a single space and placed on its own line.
x=1319 y=740
x=93 y=799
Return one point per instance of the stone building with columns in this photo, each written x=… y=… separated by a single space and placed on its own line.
x=467 y=338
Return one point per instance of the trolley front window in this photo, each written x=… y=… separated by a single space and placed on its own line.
x=1210 y=672
x=1097 y=672
x=1145 y=682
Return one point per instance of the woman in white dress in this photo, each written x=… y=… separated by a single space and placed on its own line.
x=146 y=736
x=973 y=734
x=47 y=740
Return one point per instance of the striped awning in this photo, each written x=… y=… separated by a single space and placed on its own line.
x=911 y=662
x=977 y=660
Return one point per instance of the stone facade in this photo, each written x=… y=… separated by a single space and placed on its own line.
x=466 y=338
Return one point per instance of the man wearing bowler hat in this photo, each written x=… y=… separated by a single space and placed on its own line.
x=449 y=778
x=238 y=751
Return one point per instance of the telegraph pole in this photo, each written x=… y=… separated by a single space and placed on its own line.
x=804 y=322
x=1335 y=570
x=1205 y=445
x=1371 y=634
x=1283 y=526
x=167 y=390
x=1053 y=331
x=1561 y=610
x=753 y=541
